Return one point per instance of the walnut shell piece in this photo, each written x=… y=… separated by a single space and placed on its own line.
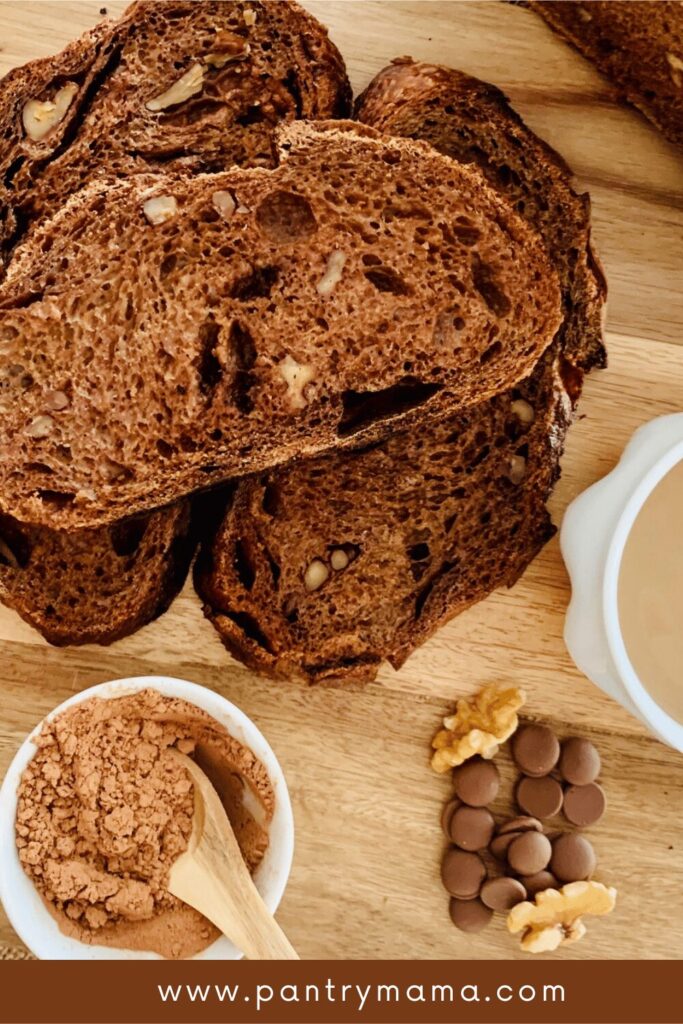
x=554 y=918
x=480 y=724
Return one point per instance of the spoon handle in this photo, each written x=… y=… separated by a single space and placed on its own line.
x=211 y=876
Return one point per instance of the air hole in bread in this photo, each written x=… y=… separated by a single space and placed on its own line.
x=12 y=171
x=244 y=566
x=468 y=234
x=387 y=280
x=187 y=443
x=126 y=537
x=489 y=353
x=210 y=369
x=15 y=547
x=250 y=628
x=244 y=352
x=419 y=552
x=165 y=449
x=485 y=282
x=449 y=522
x=271 y=500
x=423 y=595
x=275 y=570
x=291 y=84
x=252 y=115
x=23 y=301
x=285 y=217
x=257 y=284
x=168 y=264
x=58 y=499
x=364 y=407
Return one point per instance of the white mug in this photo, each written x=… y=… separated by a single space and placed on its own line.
x=594 y=532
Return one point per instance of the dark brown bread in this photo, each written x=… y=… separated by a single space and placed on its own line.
x=638 y=46
x=250 y=66
x=421 y=526
x=159 y=335
x=472 y=121
x=95 y=586
x=434 y=520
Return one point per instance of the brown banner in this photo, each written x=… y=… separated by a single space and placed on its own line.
x=498 y=992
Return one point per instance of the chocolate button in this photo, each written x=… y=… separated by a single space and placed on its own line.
x=529 y=853
x=520 y=824
x=462 y=873
x=502 y=894
x=538 y=883
x=499 y=846
x=469 y=915
x=472 y=827
x=541 y=797
x=573 y=858
x=579 y=761
x=509 y=831
x=535 y=749
x=476 y=782
x=584 y=805
x=447 y=813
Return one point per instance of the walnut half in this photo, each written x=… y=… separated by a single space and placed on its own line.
x=554 y=918
x=479 y=725
x=39 y=117
x=189 y=84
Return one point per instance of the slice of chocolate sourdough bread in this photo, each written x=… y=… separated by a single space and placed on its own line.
x=107 y=106
x=324 y=569
x=95 y=586
x=472 y=121
x=174 y=332
x=171 y=86
x=638 y=46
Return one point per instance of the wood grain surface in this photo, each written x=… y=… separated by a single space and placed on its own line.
x=365 y=878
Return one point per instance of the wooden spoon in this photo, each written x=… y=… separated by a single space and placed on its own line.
x=212 y=877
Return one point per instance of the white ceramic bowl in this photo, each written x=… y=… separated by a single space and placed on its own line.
x=24 y=907
x=594 y=532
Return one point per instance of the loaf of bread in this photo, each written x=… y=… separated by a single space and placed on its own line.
x=472 y=121
x=162 y=334
x=95 y=586
x=324 y=569
x=637 y=45
x=171 y=86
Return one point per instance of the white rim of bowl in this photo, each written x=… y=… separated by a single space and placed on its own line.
x=666 y=727
x=240 y=726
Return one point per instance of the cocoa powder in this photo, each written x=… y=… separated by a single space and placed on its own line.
x=102 y=815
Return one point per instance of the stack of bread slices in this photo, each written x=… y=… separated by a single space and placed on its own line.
x=338 y=356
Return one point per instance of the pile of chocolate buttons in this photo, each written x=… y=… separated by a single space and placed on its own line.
x=491 y=867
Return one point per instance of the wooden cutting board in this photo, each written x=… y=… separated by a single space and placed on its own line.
x=365 y=878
